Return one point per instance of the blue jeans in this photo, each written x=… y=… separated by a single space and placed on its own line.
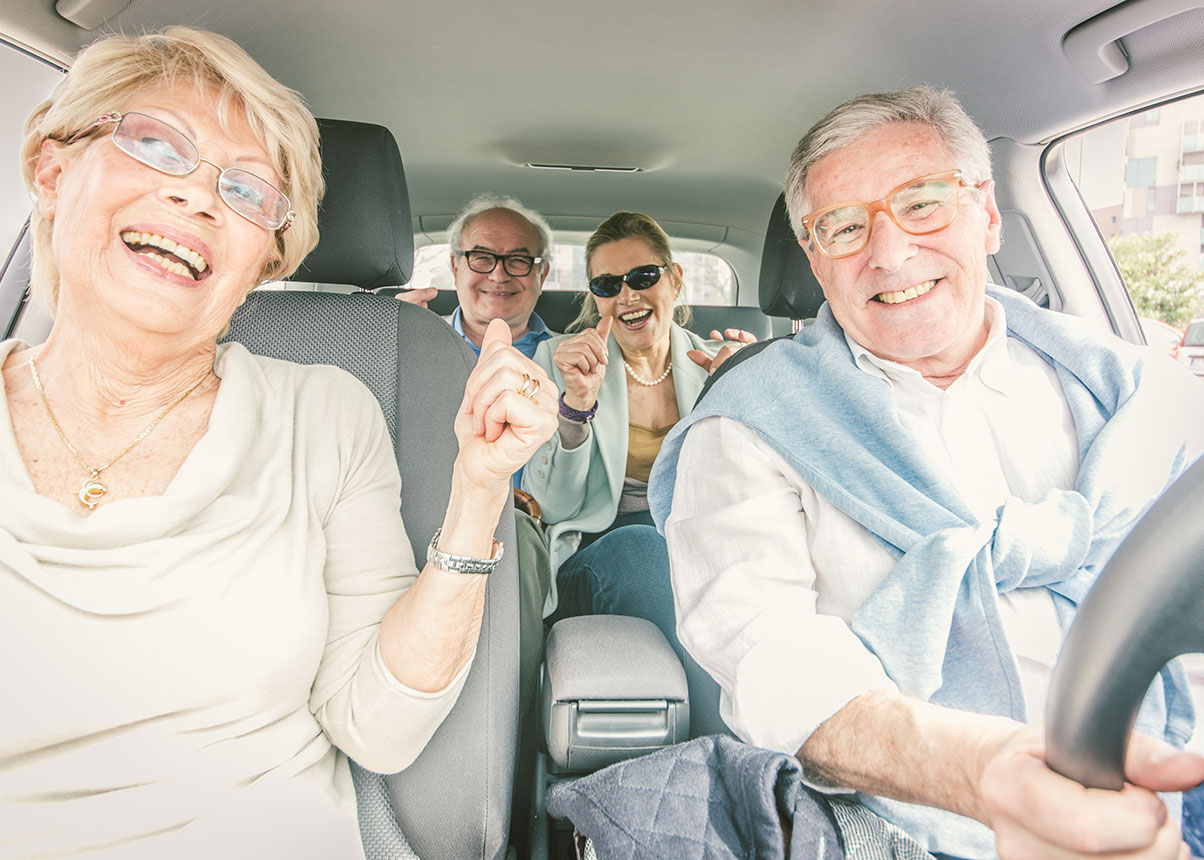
x=622 y=571
x=1193 y=820
x=625 y=571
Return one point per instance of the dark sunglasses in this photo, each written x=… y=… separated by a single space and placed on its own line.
x=639 y=278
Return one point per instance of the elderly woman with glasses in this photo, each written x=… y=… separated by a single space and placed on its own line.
x=208 y=598
x=625 y=380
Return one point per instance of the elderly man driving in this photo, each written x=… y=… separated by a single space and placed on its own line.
x=881 y=528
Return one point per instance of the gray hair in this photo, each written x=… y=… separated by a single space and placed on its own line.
x=938 y=109
x=483 y=203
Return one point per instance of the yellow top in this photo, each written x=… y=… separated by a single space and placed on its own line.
x=643 y=444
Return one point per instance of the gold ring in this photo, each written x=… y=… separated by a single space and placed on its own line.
x=531 y=394
x=526 y=389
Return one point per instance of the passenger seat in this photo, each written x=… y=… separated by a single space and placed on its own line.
x=454 y=801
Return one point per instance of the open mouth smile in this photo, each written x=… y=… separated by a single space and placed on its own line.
x=636 y=318
x=906 y=295
x=169 y=254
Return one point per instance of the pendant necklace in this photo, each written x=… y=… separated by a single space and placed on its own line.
x=645 y=382
x=92 y=490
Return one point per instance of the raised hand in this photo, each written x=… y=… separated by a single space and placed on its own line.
x=712 y=363
x=582 y=360
x=418 y=297
x=509 y=410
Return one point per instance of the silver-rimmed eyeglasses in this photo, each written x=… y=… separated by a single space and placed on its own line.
x=157 y=144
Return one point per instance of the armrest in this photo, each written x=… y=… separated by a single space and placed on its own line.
x=612 y=689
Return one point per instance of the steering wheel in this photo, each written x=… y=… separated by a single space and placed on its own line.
x=1146 y=608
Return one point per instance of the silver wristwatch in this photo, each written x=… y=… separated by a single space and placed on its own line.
x=461 y=563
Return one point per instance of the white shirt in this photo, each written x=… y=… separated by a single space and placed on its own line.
x=767 y=574
x=185 y=675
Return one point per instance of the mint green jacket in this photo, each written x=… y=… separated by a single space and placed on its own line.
x=579 y=489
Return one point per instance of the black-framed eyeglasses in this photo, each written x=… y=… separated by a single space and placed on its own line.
x=639 y=278
x=165 y=148
x=514 y=265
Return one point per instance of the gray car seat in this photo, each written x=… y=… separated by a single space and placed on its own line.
x=787 y=286
x=558 y=308
x=454 y=801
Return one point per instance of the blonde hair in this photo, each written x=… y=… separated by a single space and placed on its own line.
x=627 y=225
x=115 y=70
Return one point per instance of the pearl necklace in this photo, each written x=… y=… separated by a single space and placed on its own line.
x=645 y=382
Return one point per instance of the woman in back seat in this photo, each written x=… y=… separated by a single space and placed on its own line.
x=626 y=379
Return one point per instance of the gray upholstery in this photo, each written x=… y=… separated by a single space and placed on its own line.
x=454 y=801
x=720 y=317
x=611 y=657
x=367 y=239
x=558 y=308
x=787 y=286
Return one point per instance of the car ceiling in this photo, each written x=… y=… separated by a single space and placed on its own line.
x=707 y=96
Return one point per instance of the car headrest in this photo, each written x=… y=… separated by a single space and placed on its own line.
x=787 y=285
x=366 y=237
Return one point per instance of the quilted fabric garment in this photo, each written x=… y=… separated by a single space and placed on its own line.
x=712 y=798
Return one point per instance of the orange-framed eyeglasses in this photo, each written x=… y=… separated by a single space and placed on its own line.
x=918 y=206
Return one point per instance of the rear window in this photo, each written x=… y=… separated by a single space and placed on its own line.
x=1194 y=335
x=709 y=280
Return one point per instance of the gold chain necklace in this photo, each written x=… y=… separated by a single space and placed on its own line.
x=92 y=490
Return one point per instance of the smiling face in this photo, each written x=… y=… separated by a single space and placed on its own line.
x=498 y=294
x=643 y=318
x=163 y=254
x=916 y=300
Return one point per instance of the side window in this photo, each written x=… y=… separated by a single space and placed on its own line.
x=709 y=279
x=28 y=81
x=1142 y=178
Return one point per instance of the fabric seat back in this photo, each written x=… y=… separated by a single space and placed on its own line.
x=454 y=801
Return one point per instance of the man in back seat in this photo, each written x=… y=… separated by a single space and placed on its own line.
x=880 y=529
x=500 y=256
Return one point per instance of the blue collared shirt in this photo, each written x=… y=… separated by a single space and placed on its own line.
x=537 y=333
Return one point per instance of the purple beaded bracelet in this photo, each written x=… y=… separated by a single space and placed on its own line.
x=580 y=416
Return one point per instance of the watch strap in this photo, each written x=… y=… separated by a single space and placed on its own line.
x=461 y=563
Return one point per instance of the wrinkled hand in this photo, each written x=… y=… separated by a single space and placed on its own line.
x=1038 y=813
x=712 y=363
x=418 y=297
x=581 y=360
x=499 y=429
